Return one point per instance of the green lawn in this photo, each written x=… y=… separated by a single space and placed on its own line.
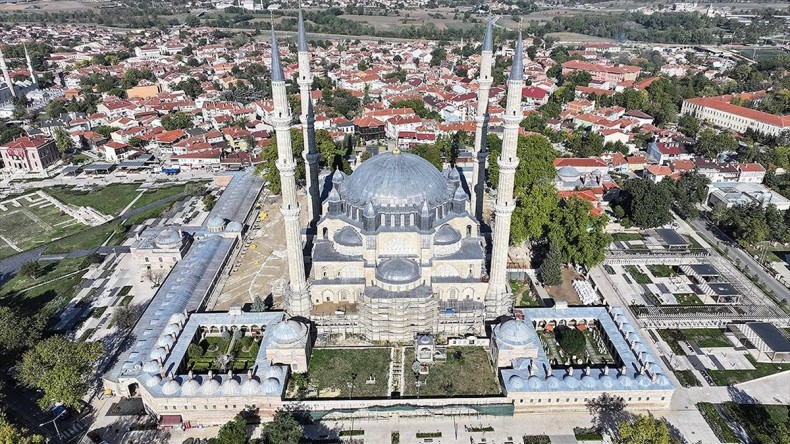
x=688 y=299
x=331 y=370
x=693 y=242
x=639 y=277
x=704 y=337
x=587 y=434
x=90 y=238
x=687 y=378
x=661 y=270
x=719 y=426
x=731 y=377
x=33 y=223
x=48 y=293
x=625 y=237
x=765 y=424
x=109 y=200
x=466 y=372
x=150 y=197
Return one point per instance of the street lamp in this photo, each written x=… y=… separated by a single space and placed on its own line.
x=350 y=385
x=54 y=422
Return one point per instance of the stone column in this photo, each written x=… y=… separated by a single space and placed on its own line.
x=498 y=298
x=310 y=154
x=297 y=297
x=477 y=184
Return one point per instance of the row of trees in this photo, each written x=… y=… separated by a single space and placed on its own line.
x=646 y=204
x=753 y=223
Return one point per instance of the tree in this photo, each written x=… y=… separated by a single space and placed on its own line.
x=208 y=201
x=643 y=430
x=578 y=234
x=710 y=144
x=125 y=317
x=63 y=141
x=688 y=125
x=19 y=331
x=32 y=269
x=179 y=120
x=608 y=411
x=268 y=166
x=14 y=435
x=430 y=153
x=191 y=87
x=646 y=204
x=194 y=350
x=690 y=189
x=571 y=340
x=283 y=429
x=155 y=276
x=551 y=268
x=233 y=432
x=61 y=368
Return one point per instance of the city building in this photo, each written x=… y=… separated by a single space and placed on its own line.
x=28 y=154
x=720 y=112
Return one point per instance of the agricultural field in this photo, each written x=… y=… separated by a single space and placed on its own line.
x=32 y=220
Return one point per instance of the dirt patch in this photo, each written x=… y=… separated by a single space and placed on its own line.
x=48 y=6
x=565 y=291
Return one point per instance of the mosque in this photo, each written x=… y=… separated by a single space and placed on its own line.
x=10 y=89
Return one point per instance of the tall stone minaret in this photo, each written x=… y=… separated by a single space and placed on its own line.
x=6 y=74
x=297 y=297
x=33 y=77
x=499 y=299
x=310 y=152
x=480 y=150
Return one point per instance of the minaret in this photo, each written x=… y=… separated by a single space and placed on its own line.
x=33 y=77
x=310 y=153
x=480 y=150
x=499 y=299
x=297 y=298
x=6 y=74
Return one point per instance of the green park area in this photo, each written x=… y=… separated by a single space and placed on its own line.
x=662 y=270
x=205 y=355
x=466 y=372
x=109 y=200
x=703 y=337
x=761 y=369
x=760 y=423
x=332 y=371
x=29 y=221
x=639 y=277
x=48 y=290
x=522 y=295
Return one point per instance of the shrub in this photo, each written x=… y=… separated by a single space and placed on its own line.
x=571 y=340
x=194 y=350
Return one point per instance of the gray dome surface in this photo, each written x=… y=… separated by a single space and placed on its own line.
x=288 y=332
x=396 y=180
x=349 y=237
x=398 y=270
x=168 y=238
x=513 y=332
x=446 y=235
x=568 y=173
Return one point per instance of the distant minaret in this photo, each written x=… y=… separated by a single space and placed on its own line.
x=310 y=153
x=33 y=77
x=297 y=298
x=480 y=150
x=499 y=299
x=6 y=74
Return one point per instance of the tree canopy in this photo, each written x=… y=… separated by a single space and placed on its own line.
x=283 y=429
x=643 y=430
x=646 y=204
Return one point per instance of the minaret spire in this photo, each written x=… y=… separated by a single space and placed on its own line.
x=481 y=119
x=33 y=77
x=297 y=297
x=6 y=74
x=498 y=298
x=310 y=153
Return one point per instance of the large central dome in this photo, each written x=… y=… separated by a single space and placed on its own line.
x=400 y=179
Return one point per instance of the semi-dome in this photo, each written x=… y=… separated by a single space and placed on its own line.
x=168 y=238
x=165 y=341
x=177 y=318
x=349 y=237
x=446 y=235
x=398 y=270
x=400 y=180
x=424 y=340
x=288 y=332
x=513 y=332
x=568 y=174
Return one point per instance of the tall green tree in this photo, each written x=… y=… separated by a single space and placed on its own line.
x=578 y=234
x=179 y=120
x=61 y=368
x=283 y=429
x=233 y=432
x=646 y=204
x=551 y=268
x=9 y=434
x=643 y=430
x=430 y=153
x=268 y=166
x=63 y=141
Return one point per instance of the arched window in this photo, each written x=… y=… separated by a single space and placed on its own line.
x=326 y=233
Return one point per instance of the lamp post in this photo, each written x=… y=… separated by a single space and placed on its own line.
x=54 y=421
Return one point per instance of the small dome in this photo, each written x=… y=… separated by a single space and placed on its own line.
x=606 y=382
x=272 y=386
x=190 y=388
x=589 y=382
x=568 y=174
x=334 y=196
x=276 y=371
x=215 y=223
x=288 y=332
x=349 y=237
x=159 y=353
x=534 y=383
x=338 y=176
x=231 y=387
x=177 y=318
x=446 y=235
x=153 y=381
x=151 y=367
x=165 y=341
x=398 y=270
x=171 y=387
x=234 y=227
x=513 y=332
x=460 y=194
x=662 y=380
x=172 y=329
x=570 y=381
x=251 y=387
x=516 y=382
x=552 y=382
x=424 y=340
x=643 y=381
x=453 y=174
x=209 y=387
x=168 y=238
x=625 y=381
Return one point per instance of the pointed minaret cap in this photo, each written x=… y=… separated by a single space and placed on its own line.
x=369 y=211
x=488 y=41
x=302 y=36
x=517 y=70
x=277 y=65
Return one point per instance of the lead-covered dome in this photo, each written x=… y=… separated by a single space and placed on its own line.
x=446 y=235
x=398 y=270
x=349 y=237
x=288 y=332
x=400 y=180
x=513 y=332
x=168 y=238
